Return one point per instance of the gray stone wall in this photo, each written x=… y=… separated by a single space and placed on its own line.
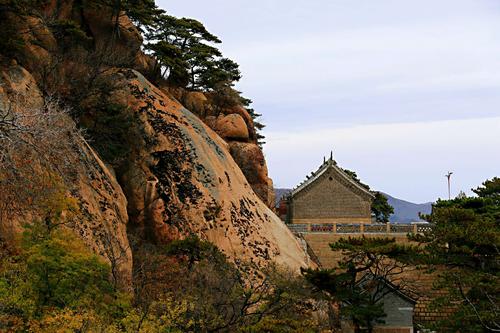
x=331 y=197
x=398 y=310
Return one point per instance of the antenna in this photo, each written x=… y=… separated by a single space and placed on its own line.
x=448 y=175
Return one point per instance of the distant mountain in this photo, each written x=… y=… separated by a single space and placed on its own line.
x=404 y=211
x=280 y=193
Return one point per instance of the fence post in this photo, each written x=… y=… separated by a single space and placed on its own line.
x=362 y=228
x=415 y=228
x=309 y=227
x=334 y=228
x=388 y=228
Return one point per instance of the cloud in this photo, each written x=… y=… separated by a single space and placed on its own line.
x=372 y=60
x=401 y=90
x=404 y=159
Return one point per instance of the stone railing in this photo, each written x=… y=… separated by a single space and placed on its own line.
x=379 y=228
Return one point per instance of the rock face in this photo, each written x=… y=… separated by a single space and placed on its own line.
x=103 y=215
x=182 y=179
x=180 y=176
x=251 y=159
x=101 y=219
x=234 y=125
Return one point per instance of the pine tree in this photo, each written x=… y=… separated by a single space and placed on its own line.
x=465 y=240
x=357 y=283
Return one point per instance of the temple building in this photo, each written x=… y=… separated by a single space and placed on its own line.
x=329 y=195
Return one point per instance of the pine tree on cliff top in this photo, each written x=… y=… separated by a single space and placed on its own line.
x=185 y=50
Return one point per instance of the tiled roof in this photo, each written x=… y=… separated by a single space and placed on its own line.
x=330 y=164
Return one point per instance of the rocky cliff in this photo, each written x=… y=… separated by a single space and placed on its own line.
x=101 y=219
x=147 y=165
x=235 y=125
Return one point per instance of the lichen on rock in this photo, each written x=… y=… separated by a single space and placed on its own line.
x=185 y=173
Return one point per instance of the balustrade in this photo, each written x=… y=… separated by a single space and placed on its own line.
x=374 y=228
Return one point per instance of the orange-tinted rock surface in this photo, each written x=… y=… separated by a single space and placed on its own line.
x=101 y=218
x=180 y=177
x=232 y=127
x=251 y=159
x=233 y=124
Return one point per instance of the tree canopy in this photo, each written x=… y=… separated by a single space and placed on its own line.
x=186 y=53
x=381 y=208
x=360 y=280
x=466 y=241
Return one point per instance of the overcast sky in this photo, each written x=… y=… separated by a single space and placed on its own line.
x=402 y=91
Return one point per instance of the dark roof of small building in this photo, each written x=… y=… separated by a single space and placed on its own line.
x=330 y=164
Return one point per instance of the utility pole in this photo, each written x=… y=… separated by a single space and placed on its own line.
x=448 y=175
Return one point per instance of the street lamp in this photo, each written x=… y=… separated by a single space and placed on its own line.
x=448 y=175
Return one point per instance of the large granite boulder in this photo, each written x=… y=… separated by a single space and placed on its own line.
x=180 y=179
x=232 y=127
x=250 y=158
